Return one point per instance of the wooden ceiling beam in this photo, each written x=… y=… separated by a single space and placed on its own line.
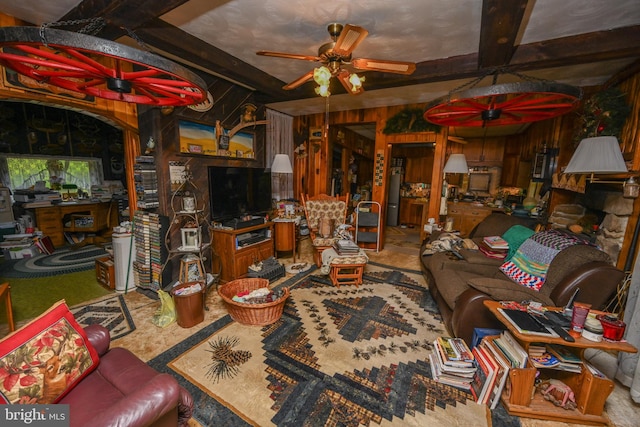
x=599 y=46
x=121 y=15
x=501 y=20
x=181 y=44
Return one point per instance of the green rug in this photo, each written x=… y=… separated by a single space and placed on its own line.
x=31 y=297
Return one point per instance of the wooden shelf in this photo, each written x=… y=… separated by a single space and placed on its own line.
x=591 y=392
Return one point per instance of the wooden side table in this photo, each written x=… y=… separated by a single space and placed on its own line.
x=286 y=236
x=591 y=391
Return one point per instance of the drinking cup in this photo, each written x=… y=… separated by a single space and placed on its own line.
x=578 y=318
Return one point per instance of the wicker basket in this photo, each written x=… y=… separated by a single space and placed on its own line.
x=251 y=314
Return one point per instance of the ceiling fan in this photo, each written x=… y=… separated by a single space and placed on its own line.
x=336 y=57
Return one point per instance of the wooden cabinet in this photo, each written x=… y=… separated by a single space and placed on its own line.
x=489 y=152
x=49 y=221
x=105 y=273
x=236 y=250
x=418 y=169
x=466 y=216
x=590 y=388
x=412 y=210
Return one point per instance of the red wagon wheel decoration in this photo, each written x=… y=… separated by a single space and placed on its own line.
x=504 y=104
x=72 y=61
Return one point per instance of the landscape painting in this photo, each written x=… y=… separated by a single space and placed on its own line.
x=197 y=138
x=241 y=145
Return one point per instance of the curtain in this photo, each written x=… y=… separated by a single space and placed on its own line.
x=5 y=178
x=279 y=141
x=628 y=372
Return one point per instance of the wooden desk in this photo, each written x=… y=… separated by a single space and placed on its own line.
x=590 y=391
x=87 y=217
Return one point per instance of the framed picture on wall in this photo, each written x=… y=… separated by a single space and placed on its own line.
x=242 y=145
x=197 y=138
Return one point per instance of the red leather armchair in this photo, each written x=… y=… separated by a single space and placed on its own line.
x=125 y=391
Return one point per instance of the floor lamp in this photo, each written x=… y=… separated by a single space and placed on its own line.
x=281 y=165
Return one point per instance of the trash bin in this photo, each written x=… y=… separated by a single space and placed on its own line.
x=189 y=306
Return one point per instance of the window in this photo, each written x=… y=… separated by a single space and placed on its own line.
x=25 y=171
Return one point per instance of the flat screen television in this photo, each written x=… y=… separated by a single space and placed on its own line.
x=238 y=191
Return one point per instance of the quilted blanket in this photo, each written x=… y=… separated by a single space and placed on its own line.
x=530 y=263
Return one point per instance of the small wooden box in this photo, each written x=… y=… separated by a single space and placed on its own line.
x=104 y=272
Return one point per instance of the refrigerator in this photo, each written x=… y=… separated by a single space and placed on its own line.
x=393 y=197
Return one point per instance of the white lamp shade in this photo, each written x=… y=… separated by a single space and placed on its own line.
x=600 y=154
x=281 y=164
x=457 y=163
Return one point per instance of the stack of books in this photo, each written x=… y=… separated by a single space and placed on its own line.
x=346 y=247
x=551 y=356
x=452 y=362
x=494 y=247
x=512 y=350
x=493 y=373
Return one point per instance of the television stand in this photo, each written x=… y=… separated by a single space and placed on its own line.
x=238 y=249
x=238 y=223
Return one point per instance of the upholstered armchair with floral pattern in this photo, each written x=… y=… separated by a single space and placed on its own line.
x=325 y=214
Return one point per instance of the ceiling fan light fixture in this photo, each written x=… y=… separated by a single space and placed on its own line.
x=356 y=82
x=323 y=90
x=322 y=76
x=337 y=53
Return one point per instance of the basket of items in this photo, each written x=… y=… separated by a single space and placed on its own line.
x=250 y=301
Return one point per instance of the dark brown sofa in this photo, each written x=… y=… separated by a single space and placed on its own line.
x=459 y=287
x=125 y=391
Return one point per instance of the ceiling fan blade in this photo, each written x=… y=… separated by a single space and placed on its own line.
x=349 y=39
x=299 y=81
x=399 y=67
x=288 y=55
x=343 y=76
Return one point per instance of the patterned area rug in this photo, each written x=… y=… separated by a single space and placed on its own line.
x=62 y=261
x=110 y=312
x=345 y=356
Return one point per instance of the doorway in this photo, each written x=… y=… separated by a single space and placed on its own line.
x=355 y=144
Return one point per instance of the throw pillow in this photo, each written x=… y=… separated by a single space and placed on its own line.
x=45 y=359
x=516 y=236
